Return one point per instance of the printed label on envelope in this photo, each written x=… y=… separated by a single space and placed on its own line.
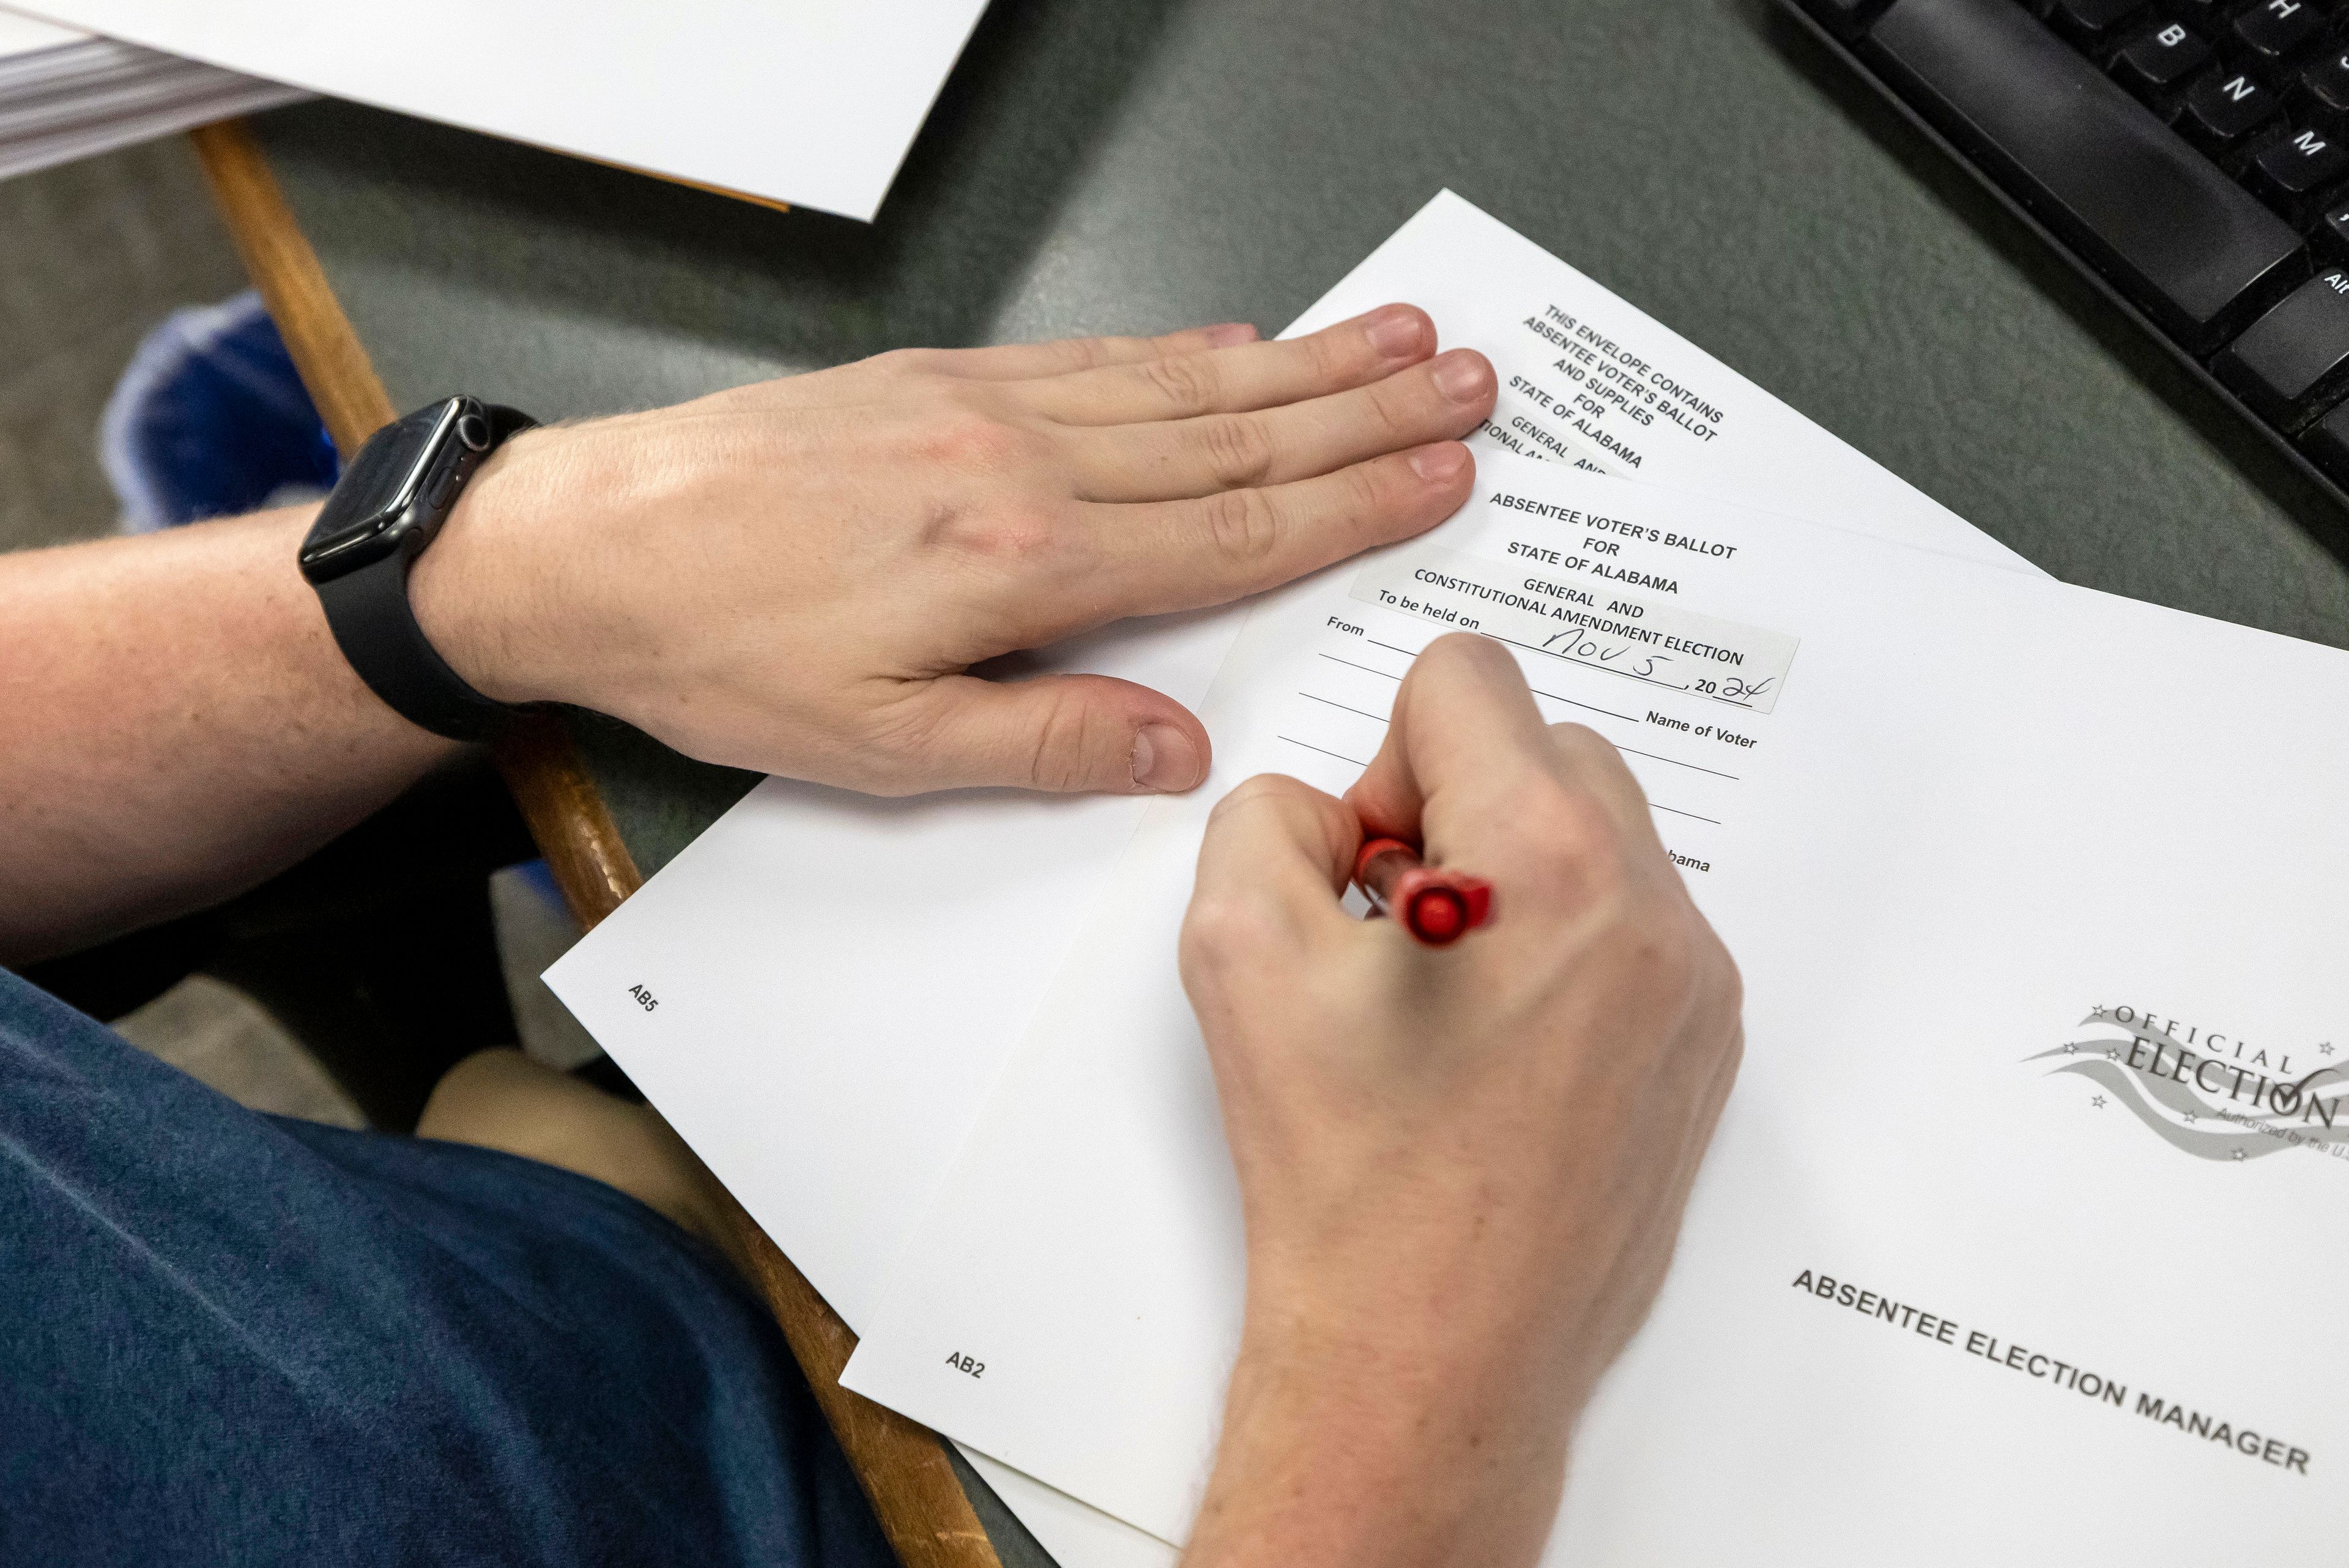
x=1587 y=625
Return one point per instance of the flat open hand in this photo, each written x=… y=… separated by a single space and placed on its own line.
x=797 y=576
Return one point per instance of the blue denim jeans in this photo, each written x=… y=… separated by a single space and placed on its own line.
x=234 y=1338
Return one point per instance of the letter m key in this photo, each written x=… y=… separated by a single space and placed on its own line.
x=2308 y=141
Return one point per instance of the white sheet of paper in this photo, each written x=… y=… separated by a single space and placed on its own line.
x=1074 y=1534
x=826 y=1054
x=1971 y=806
x=810 y=104
x=21 y=35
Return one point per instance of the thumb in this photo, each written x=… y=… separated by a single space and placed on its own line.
x=1464 y=729
x=1064 y=734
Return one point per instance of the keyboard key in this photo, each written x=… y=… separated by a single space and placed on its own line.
x=2208 y=17
x=2191 y=247
x=2294 y=350
x=2091 y=22
x=2324 y=89
x=2155 y=62
x=2297 y=168
x=2333 y=233
x=2227 y=106
x=2327 y=441
x=2273 y=31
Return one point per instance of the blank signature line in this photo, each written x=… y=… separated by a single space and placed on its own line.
x=1364 y=669
x=1343 y=709
x=1322 y=749
x=1628 y=718
x=1676 y=762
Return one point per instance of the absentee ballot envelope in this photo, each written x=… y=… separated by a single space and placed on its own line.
x=2025 y=1233
x=826 y=1058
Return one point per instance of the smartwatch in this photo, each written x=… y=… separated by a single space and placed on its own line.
x=383 y=513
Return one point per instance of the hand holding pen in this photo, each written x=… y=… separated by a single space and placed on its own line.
x=1461 y=1172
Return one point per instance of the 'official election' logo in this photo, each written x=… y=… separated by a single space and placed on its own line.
x=2210 y=1095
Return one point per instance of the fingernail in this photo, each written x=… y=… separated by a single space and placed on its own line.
x=1165 y=758
x=1394 y=332
x=1438 y=463
x=1230 y=333
x=1461 y=374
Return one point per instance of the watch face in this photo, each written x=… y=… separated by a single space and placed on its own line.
x=364 y=518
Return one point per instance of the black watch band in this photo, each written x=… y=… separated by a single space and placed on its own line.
x=384 y=511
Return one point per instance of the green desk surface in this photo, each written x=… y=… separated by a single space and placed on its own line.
x=1134 y=166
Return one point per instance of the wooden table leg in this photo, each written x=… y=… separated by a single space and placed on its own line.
x=903 y=1466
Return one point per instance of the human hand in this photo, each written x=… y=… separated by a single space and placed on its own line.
x=1462 y=1169
x=796 y=577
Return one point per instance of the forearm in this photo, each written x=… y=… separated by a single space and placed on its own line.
x=179 y=725
x=1353 y=1454
x=796 y=577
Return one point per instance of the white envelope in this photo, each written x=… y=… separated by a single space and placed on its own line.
x=839 y=980
x=2040 y=897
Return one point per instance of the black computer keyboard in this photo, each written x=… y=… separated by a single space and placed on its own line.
x=2191 y=156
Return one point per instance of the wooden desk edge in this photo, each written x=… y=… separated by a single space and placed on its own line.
x=902 y=1467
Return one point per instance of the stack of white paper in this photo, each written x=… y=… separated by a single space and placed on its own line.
x=810 y=103
x=66 y=95
x=2037 y=892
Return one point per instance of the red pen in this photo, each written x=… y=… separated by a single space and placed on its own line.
x=1438 y=907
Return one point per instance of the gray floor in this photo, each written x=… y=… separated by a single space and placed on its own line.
x=214 y=1032
x=92 y=256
